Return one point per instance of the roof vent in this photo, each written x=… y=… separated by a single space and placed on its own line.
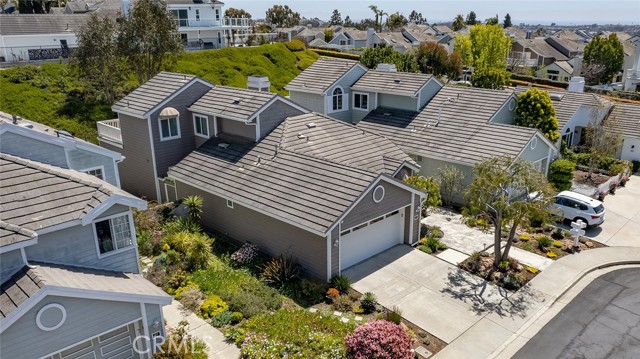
x=556 y=96
x=236 y=101
x=301 y=136
x=386 y=68
x=223 y=145
x=258 y=83
x=311 y=125
x=26 y=125
x=396 y=80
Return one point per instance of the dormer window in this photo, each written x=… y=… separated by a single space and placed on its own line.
x=361 y=101
x=113 y=233
x=169 y=124
x=201 y=126
x=337 y=99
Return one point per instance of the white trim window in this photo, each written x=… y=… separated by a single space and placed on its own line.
x=113 y=233
x=361 y=101
x=95 y=171
x=230 y=203
x=201 y=126
x=337 y=100
x=197 y=14
x=169 y=128
x=217 y=14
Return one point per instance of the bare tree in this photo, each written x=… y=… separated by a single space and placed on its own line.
x=602 y=138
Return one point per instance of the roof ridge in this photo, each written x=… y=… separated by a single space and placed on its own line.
x=17 y=229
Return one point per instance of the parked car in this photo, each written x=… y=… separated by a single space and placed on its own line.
x=574 y=206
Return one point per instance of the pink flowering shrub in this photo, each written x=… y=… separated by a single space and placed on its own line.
x=247 y=253
x=379 y=339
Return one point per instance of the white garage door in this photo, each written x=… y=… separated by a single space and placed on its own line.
x=371 y=238
x=117 y=344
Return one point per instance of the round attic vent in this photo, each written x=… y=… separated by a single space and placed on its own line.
x=378 y=194
x=51 y=317
x=169 y=112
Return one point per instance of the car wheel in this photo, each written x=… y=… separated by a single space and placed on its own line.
x=583 y=220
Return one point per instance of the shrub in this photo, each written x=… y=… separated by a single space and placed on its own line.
x=636 y=166
x=524 y=237
x=178 y=278
x=551 y=254
x=435 y=244
x=236 y=317
x=187 y=347
x=503 y=266
x=213 y=306
x=393 y=315
x=246 y=254
x=368 y=302
x=190 y=296
x=557 y=244
x=198 y=251
x=532 y=270
x=342 y=55
x=544 y=242
x=235 y=335
x=194 y=207
x=148 y=243
x=341 y=283
x=561 y=174
x=157 y=275
x=280 y=271
x=295 y=45
x=342 y=303
x=221 y=319
x=429 y=186
x=333 y=294
x=379 y=339
x=305 y=292
x=513 y=281
x=254 y=299
x=557 y=233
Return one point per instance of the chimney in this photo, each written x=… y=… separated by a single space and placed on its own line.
x=576 y=84
x=386 y=68
x=370 y=33
x=258 y=83
x=529 y=33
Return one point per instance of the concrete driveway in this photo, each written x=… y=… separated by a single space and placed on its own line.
x=434 y=295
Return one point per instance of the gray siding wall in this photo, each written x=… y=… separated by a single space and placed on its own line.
x=399 y=102
x=137 y=174
x=10 y=263
x=429 y=168
x=416 y=220
x=505 y=114
x=394 y=198
x=540 y=150
x=274 y=115
x=345 y=82
x=81 y=160
x=237 y=128
x=335 y=252
x=359 y=44
x=33 y=149
x=311 y=101
x=340 y=36
x=427 y=92
x=154 y=314
x=85 y=319
x=170 y=152
x=358 y=115
x=273 y=236
x=77 y=246
x=199 y=140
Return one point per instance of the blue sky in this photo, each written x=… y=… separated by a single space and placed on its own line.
x=534 y=12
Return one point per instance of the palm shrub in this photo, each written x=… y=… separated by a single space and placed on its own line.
x=368 y=302
x=194 y=207
x=341 y=283
x=379 y=339
x=561 y=174
x=198 y=251
x=280 y=271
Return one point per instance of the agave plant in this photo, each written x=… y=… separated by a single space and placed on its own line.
x=280 y=271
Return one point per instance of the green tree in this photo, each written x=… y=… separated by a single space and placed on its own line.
x=508 y=194
x=379 y=14
x=336 y=18
x=462 y=45
x=348 y=22
x=432 y=58
x=535 y=109
x=104 y=71
x=282 y=16
x=416 y=18
x=507 y=21
x=450 y=179
x=396 y=21
x=489 y=49
x=602 y=138
x=458 y=23
x=149 y=38
x=561 y=174
x=237 y=13
x=471 y=18
x=384 y=54
x=429 y=186
x=328 y=35
x=492 y=20
x=605 y=53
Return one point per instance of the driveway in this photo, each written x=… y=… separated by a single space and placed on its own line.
x=603 y=321
x=432 y=294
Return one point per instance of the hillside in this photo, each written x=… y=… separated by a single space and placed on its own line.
x=53 y=95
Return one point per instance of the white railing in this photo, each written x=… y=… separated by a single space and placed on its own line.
x=237 y=22
x=110 y=130
x=631 y=74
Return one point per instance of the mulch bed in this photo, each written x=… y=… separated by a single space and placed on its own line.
x=566 y=249
x=482 y=266
x=595 y=180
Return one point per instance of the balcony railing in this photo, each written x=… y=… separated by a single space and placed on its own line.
x=226 y=22
x=110 y=130
x=633 y=75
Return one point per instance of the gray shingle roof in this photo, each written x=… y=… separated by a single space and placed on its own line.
x=232 y=102
x=12 y=234
x=152 y=93
x=399 y=83
x=541 y=47
x=306 y=175
x=34 y=195
x=36 y=24
x=627 y=118
x=318 y=77
x=28 y=281
x=463 y=133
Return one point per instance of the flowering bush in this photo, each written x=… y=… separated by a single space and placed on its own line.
x=379 y=339
x=333 y=294
x=213 y=306
x=246 y=254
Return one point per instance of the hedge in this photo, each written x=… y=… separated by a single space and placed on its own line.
x=561 y=174
x=341 y=55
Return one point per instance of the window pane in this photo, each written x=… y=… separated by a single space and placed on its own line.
x=105 y=237
x=198 y=125
x=173 y=126
x=356 y=101
x=364 y=101
x=164 y=128
x=121 y=231
x=203 y=124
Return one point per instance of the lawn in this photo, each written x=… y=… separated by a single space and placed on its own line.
x=52 y=94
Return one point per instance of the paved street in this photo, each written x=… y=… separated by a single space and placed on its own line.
x=603 y=321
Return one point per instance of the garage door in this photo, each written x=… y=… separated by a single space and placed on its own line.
x=116 y=344
x=369 y=239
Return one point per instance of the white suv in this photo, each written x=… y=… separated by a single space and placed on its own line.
x=574 y=206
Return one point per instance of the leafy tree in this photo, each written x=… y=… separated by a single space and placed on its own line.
x=535 y=109
x=455 y=66
x=149 y=38
x=489 y=49
x=432 y=58
x=348 y=22
x=396 y=21
x=471 y=19
x=602 y=138
x=416 y=18
x=104 y=70
x=507 y=21
x=492 y=20
x=539 y=32
x=336 y=18
x=462 y=45
x=450 y=179
x=458 y=23
x=282 y=16
x=384 y=54
x=607 y=53
x=237 y=13
x=429 y=186
x=508 y=194
x=328 y=35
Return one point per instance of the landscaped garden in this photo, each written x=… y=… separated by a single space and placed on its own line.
x=262 y=304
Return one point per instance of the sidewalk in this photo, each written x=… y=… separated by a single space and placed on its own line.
x=498 y=330
x=198 y=328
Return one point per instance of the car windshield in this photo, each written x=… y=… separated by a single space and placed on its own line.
x=599 y=209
